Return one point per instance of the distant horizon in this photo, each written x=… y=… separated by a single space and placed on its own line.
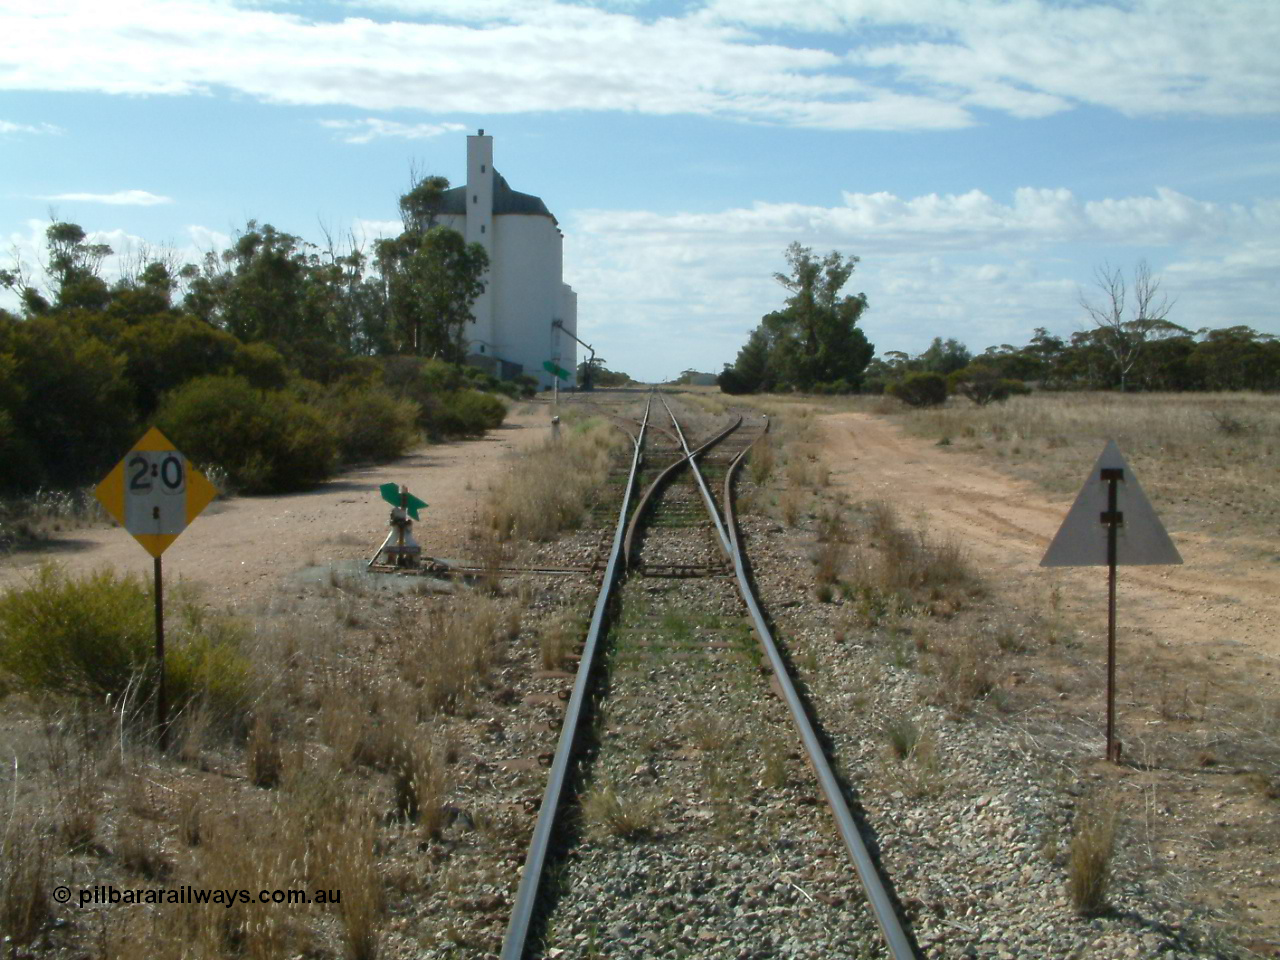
x=981 y=159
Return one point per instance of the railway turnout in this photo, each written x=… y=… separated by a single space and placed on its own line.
x=675 y=784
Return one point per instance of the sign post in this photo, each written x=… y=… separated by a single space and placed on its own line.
x=1111 y=523
x=154 y=493
x=558 y=373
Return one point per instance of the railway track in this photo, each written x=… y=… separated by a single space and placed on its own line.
x=680 y=816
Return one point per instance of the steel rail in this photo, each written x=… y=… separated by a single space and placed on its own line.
x=618 y=416
x=643 y=502
x=702 y=484
x=514 y=943
x=900 y=946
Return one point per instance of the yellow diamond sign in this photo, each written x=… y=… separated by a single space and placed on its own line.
x=154 y=492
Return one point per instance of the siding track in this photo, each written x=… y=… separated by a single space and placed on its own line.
x=676 y=798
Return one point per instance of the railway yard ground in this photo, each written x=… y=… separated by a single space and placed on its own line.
x=399 y=730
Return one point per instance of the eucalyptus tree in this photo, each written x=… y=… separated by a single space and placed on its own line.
x=815 y=335
x=1125 y=317
x=431 y=277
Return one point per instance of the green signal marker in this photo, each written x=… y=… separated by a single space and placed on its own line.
x=391 y=494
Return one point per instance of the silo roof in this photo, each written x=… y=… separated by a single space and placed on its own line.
x=505 y=200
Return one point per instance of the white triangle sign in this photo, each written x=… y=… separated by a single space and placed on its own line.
x=1141 y=539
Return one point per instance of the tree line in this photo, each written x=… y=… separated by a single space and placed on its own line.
x=273 y=360
x=813 y=345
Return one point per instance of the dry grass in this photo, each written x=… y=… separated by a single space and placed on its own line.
x=803 y=467
x=540 y=498
x=966 y=668
x=914 y=560
x=1201 y=456
x=902 y=734
x=1089 y=867
x=911 y=762
x=139 y=848
x=25 y=862
x=263 y=760
x=419 y=783
x=829 y=562
x=73 y=757
x=708 y=733
x=609 y=812
x=893 y=572
x=709 y=399
x=557 y=640
x=353 y=870
x=38 y=517
x=448 y=656
x=790 y=507
x=761 y=460
x=773 y=769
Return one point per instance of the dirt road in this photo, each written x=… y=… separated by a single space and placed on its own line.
x=242 y=550
x=1220 y=596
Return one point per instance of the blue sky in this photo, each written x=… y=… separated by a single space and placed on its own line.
x=981 y=158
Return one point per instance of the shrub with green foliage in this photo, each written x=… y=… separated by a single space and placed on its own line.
x=372 y=424
x=95 y=636
x=436 y=376
x=983 y=384
x=733 y=382
x=86 y=637
x=70 y=404
x=833 y=387
x=920 y=390
x=166 y=352
x=207 y=666
x=262 y=365
x=266 y=440
x=464 y=413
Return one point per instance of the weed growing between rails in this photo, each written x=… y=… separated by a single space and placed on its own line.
x=700 y=827
x=1209 y=459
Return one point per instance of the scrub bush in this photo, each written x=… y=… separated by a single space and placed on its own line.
x=266 y=440
x=86 y=637
x=920 y=390
x=373 y=425
x=95 y=637
x=465 y=413
x=984 y=385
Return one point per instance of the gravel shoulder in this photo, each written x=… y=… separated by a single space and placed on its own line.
x=1197 y=682
x=1218 y=600
x=240 y=551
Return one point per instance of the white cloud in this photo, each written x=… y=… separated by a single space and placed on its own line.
x=551 y=56
x=982 y=269
x=365 y=232
x=916 y=64
x=971 y=220
x=121 y=198
x=1033 y=57
x=8 y=127
x=371 y=128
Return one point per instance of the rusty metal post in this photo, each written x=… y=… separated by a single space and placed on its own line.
x=162 y=704
x=1113 y=519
